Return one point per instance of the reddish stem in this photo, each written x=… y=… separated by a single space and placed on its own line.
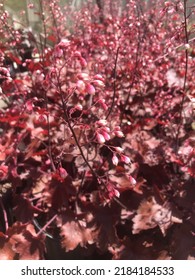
x=4 y=214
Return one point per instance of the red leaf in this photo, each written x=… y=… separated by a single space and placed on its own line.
x=15 y=58
x=32 y=66
x=22 y=243
x=21 y=204
x=52 y=38
x=6 y=250
x=62 y=192
x=73 y=233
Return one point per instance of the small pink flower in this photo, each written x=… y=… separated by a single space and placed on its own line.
x=119 y=149
x=58 y=52
x=63 y=172
x=98 y=77
x=98 y=83
x=90 y=89
x=187 y=46
x=106 y=135
x=83 y=62
x=42 y=118
x=64 y=43
x=116 y=193
x=103 y=104
x=167 y=3
x=115 y=160
x=102 y=122
x=77 y=54
x=29 y=106
x=100 y=138
x=80 y=85
x=119 y=134
x=30 y=6
x=3 y=171
x=125 y=159
x=132 y=180
x=106 y=129
x=117 y=128
x=48 y=162
x=79 y=107
x=83 y=76
x=4 y=71
x=112 y=191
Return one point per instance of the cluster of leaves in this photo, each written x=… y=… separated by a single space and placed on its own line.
x=97 y=133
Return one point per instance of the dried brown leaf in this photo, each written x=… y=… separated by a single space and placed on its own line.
x=150 y=214
x=74 y=233
x=22 y=243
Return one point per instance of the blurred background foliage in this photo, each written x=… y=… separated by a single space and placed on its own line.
x=30 y=17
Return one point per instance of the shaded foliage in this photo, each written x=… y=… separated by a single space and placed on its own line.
x=97 y=133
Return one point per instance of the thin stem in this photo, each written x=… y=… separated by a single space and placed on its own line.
x=100 y=7
x=114 y=95
x=49 y=134
x=43 y=46
x=81 y=151
x=4 y=214
x=55 y=24
x=43 y=22
x=185 y=21
x=74 y=136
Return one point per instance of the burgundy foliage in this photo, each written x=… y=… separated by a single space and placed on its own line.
x=97 y=136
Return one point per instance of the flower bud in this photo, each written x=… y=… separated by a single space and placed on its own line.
x=119 y=149
x=125 y=159
x=79 y=107
x=117 y=128
x=115 y=160
x=90 y=89
x=63 y=172
x=98 y=77
x=106 y=135
x=80 y=85
x=30 y=6
x=98 y=83
x=106 y=128
x=101 y=122
x=167 y=3
x=64 y=43
x=58 y=52
x=77 y=54
x=103 y=104
x=83 y=62
x=132 y=180
x=187 y=46
x=119 y=134
x=83 y=76
x=4 y=72
x=42 y=119
x=100 y=138
x=29 y=106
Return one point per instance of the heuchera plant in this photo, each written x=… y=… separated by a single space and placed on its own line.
x=97 y=132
